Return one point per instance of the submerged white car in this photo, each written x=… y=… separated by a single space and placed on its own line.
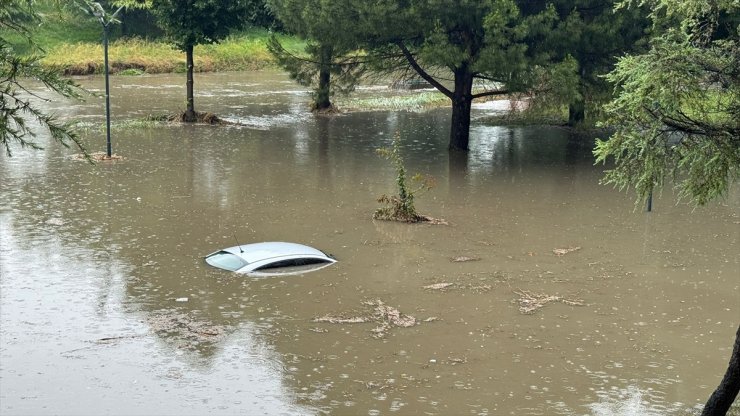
x=270 y=259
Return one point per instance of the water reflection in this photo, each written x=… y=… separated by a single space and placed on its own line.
x=103 y=278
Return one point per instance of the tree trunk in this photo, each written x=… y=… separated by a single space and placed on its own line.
x=576 y=112
x=726 y=393
x=462 y=98
x=323 y=92
x=577 y=108
x=189 y=115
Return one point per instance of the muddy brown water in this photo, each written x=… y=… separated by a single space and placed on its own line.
x=107 y=306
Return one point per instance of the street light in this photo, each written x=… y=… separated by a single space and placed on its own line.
x=99 y=12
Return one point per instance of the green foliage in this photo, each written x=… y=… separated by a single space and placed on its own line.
x=414 y=101
x=677 y=112
x=17 y=108
x=485 y=39
x=320 y=66
x=590 y=35
x=401 y=207
x=329 y=61
x=451 y=44
x=60 y=23
x=198 y=22
x=241 y=51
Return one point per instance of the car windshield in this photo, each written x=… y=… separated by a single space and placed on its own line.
x=225 y=260
x=290 y=263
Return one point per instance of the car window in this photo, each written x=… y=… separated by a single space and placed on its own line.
x=226 y=260
x=292 y=263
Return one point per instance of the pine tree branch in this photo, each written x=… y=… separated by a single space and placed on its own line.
x=422 y=73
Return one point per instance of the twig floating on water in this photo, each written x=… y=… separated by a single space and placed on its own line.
x=530 y=302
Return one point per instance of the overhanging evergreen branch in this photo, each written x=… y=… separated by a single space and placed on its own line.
x=422 y=73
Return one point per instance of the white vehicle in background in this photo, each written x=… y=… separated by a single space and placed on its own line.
x=270 y=259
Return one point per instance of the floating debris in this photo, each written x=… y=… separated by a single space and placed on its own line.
x=530 y=302
x=438 y=286
x=563 y=251
x=107 y=340
x=480 y=288
x=391 y=315
x=460 y=259
x=342 y=320
x=187 y=329
x=433 y=221
x=97 y=156
x=456 y=360
x=318 y=330
x=386 y=316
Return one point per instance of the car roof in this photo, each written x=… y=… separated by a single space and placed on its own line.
x=261 y=251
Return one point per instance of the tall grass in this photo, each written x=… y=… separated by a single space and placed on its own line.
x=72 y=42
x=243 y=51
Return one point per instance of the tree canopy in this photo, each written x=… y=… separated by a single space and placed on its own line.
x=594 y=34
x=676 y=114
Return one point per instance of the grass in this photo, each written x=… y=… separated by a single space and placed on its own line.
x=416 y=101
x=72 y=43
x=56 y=27
x=528 y=117
x=243 y=51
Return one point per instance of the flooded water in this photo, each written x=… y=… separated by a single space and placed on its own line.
x=107 y=306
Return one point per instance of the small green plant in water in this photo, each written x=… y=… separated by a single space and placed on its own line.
x=131 y=72
x=401 y=207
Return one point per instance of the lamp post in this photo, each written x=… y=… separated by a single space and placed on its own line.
x=99 y=12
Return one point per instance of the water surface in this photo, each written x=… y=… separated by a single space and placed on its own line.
x=106 y=304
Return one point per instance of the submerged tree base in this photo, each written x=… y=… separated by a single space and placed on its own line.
x=328 y=111
x=196 y=117
x=388 y=213
x=97 y=157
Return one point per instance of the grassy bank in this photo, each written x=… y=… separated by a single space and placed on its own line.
x=243 y=51
x=71 y=42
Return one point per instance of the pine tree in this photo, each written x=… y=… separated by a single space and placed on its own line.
x=329 y=61
x=456 y=44
x=677 y=112
x=16 y=106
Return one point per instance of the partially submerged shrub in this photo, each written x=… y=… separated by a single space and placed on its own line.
x=401 y=207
